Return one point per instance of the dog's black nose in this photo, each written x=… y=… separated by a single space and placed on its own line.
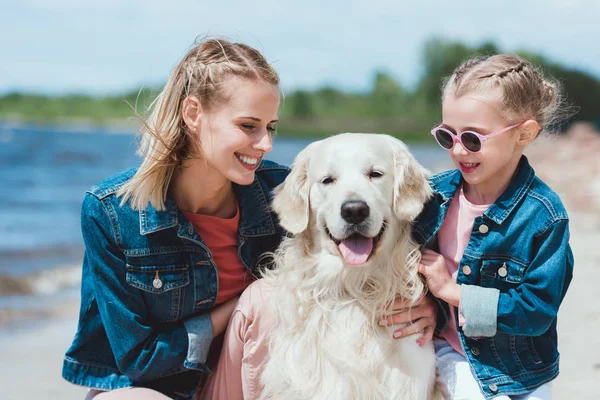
x=355 y=211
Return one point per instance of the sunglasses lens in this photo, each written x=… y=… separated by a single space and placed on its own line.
x=444 y=139
x=471 y=142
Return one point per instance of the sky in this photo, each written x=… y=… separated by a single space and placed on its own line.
x=113 y=46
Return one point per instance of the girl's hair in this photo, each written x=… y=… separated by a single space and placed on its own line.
x=526 y=93
x=165 y=139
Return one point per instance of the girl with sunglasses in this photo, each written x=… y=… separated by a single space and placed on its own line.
x=496 y=237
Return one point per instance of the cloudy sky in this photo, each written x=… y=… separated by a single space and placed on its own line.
x=111 y=46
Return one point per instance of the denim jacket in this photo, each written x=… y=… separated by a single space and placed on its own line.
x=148 y=284
x=514 y=273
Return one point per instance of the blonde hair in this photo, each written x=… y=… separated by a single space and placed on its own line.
x=165 y=139
x=526 y=93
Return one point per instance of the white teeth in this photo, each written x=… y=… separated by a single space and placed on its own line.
x=247 y=160
x=469 y=165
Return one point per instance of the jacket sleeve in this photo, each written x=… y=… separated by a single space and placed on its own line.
x=531 y=307
x=142 y=351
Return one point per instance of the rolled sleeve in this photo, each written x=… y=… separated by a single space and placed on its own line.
x=479 y=306
x=200 y=336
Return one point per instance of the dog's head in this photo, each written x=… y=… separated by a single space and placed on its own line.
x=349 y=190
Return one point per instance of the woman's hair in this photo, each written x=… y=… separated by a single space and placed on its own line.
x=526 y=93
x=165 y=138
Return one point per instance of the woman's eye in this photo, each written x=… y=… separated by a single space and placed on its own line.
x=375 y=174
x=327 y=180
x=247 y=127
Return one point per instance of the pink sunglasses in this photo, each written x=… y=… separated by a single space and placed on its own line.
x=470 y=140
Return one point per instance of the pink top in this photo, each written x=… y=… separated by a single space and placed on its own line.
x=453 y=238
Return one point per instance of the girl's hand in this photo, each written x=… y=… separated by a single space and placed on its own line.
x=219 y=316
x=439 y=281
x=421 y=317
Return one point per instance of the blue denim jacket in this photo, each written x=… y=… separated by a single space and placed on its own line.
x=514 y=273
x=148 y=284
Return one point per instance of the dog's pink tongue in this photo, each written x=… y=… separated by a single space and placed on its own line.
x=356 y=250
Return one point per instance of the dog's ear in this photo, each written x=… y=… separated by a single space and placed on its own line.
x=411 y=187
x=290 y=199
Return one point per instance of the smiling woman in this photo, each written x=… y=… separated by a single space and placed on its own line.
x=172 y=244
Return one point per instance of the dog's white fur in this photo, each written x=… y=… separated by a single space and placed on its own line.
x=327 y=343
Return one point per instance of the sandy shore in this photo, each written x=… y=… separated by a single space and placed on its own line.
x=31 y=360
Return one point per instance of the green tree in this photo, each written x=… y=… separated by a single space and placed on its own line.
x=387 y=97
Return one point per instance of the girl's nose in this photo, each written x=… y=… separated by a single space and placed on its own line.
x=459 y=150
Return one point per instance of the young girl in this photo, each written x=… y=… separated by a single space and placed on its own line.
x=502 y=260
x=171 y=245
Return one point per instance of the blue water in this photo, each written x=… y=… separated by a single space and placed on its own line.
x=44 y=173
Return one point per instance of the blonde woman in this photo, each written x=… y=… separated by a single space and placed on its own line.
x=171 y=245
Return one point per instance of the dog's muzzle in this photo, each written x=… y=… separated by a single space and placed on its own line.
x=357 y=249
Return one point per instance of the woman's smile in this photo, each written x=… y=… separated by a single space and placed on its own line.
x=249 y=162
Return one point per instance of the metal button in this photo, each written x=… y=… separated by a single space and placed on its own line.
x=475 y=351
x=466 y=270
x=484 y=228
x=157 y=283
x=191 y=230
x=503 y=271
x=493 y=387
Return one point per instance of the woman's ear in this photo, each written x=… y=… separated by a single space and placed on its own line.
x=192 y=112
x=528 y=131
x=291 y=198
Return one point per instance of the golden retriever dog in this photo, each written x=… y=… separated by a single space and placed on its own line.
x=348 y=204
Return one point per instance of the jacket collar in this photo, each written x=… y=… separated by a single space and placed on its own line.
x=255 y=216
x=447 y=183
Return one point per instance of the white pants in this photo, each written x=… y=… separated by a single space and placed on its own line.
x=458 y=383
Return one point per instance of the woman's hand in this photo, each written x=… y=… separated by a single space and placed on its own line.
x=219 y=316
x=421 y=317
x=433 y=267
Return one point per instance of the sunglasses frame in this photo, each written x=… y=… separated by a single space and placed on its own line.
x=458 y=138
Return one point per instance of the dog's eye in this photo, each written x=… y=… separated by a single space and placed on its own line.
x=375 y=174
x=327 y=180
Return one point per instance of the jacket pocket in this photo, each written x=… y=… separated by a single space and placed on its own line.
x=162 y=287
x=502 y=273
x=158 y=279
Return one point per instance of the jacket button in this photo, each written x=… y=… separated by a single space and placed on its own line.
x=466 y=270
x=191 y=230
x=157 y=283
x=475 y=351
x=493 y=387
x=503 y=271
x=484 y=228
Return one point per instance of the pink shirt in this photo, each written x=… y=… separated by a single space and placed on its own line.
x=453 y=238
